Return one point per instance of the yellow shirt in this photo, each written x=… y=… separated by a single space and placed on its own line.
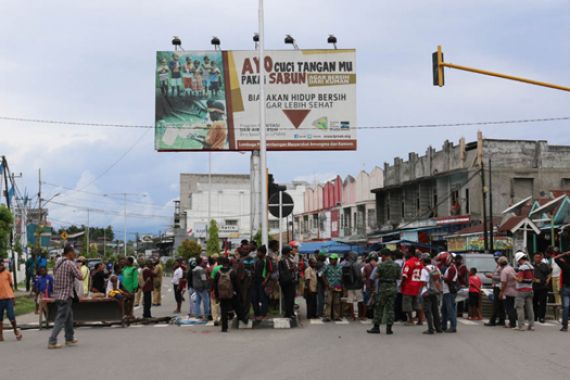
x=85 y=273
x=311 y=276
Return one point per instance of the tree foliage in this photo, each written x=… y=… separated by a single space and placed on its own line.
x=213 y=242
x=188 y=249
x=6 y=221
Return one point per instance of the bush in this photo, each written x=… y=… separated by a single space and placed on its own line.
x=189 y=249
x=213 y=243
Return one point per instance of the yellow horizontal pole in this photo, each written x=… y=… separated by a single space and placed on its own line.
x=493 y=74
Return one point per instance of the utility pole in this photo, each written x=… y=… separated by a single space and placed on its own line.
x=125 y=227
x=491 y=223
x=209 y=195
x=88 y=228
x=484 y=208
x=8 y=203
x=38 y=227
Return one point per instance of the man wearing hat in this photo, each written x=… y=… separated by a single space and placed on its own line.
x=333 y=289
x=218 y=131
x=523 y=300
x=388 y=272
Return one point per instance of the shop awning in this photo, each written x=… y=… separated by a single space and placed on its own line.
x=329 y=246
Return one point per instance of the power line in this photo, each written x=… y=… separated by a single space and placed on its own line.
x=364 y=127
x=114 y=163
x=105 y=195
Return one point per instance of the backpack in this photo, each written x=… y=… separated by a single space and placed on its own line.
x=453 y=284
x=348 y=277
x=199 y=279
x=435 y=287
x=225 y=285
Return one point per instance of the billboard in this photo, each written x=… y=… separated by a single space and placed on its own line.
x=209 y=100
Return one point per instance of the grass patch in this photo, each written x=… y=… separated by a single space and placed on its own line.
x=24 y=305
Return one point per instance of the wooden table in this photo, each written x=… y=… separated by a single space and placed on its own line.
x=87 y=310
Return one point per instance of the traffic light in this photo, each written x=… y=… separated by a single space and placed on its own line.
x=437 y=66
x=273 y=187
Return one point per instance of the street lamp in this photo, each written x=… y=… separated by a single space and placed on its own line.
x=125 y=215
x=332 y=40
x=216 y=42
x=289 y=40
x=177 y=43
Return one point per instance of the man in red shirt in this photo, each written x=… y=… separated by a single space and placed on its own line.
x=411 y=285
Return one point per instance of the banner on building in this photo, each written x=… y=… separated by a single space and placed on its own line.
x=209 y=100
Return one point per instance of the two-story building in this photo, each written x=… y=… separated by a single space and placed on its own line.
x=428 y=197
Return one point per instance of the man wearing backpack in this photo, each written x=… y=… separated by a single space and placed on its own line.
x=201 y=288
x=352 y=281
x=431 y=295
x=243 y=267
x=226 y=290
x=261 y=274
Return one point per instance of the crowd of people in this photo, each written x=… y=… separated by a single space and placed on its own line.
x=403 y=285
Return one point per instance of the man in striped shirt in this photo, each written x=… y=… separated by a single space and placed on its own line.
x=65 y=272
x=523 y=300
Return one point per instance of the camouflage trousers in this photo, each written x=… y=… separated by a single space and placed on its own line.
x=384 y=308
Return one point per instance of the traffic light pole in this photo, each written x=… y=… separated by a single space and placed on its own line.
x=441 y=65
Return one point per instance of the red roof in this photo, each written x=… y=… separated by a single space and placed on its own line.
x=511 y=223
x=557 y=193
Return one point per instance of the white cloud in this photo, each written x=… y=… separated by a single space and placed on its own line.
x=93 y=61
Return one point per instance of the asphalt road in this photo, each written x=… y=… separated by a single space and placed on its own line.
x=314 y=351
x=340 y=350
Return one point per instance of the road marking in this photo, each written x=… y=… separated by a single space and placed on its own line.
x=342 y=322
x=316 y=322
x=135 y=326
x=467 y=322
x=366 y=322
x=161 y=325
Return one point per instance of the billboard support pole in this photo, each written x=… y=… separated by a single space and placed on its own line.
x=262 y=134
x=281 y=220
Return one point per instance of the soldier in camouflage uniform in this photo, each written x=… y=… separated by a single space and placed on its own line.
x=387 y=273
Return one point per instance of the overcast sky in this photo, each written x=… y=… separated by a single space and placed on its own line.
x=94 y=61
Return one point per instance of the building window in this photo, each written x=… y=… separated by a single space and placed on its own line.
x=273 y=224
x=315 y=221
x=418 y=205
x=455 y=206
x=522 y=188
x=467 y=206
x=372 y=219
x=190 y=202
x=231 y=222
x=565 y=183
x=435 y=205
